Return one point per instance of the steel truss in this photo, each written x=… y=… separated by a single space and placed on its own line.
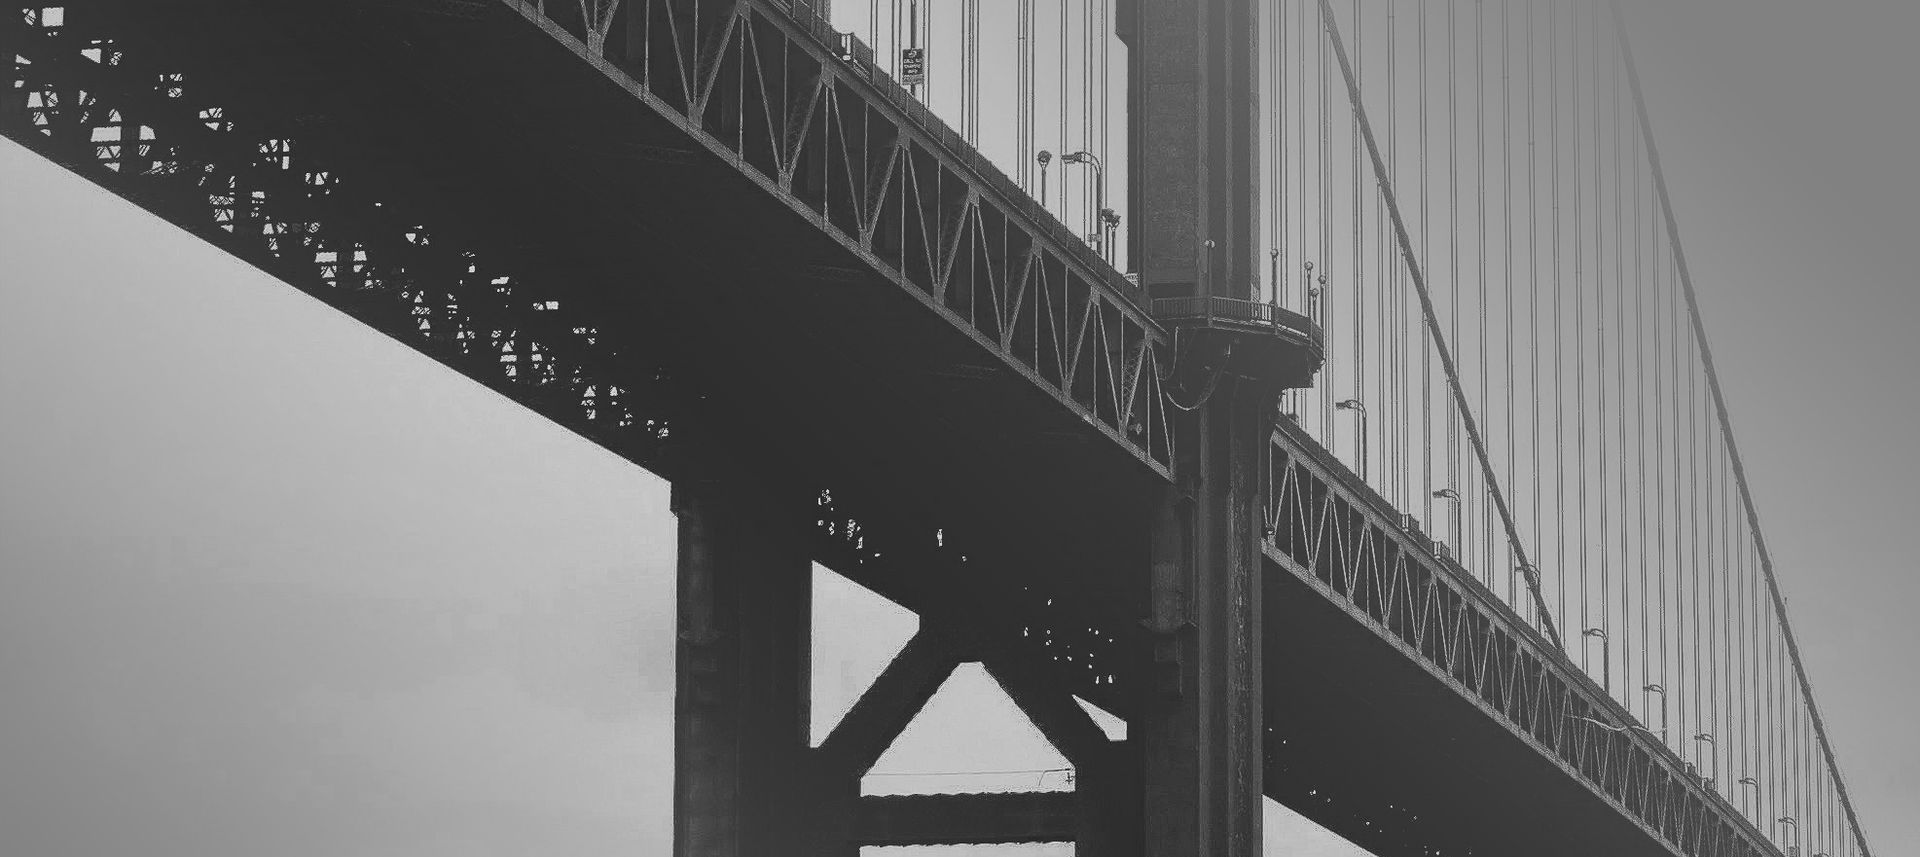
x=1326 y=528
x=250 y=185
x=807 y=114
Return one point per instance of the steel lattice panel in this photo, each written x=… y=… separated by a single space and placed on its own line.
x=1346 y=550
x=253 y=185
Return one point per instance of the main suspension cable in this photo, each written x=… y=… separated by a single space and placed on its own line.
x=1804 y=684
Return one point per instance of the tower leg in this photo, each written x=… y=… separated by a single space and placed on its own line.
x=742 y=673
x=1196 y=176
x=1201 y=738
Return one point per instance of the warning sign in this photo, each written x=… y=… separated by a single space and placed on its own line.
x=913 y=66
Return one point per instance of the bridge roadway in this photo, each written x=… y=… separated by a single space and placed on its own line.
x=800 y=281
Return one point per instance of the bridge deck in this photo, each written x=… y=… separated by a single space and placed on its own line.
x=710 y=296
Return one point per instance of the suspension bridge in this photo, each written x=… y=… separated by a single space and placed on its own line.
x=1316 y=385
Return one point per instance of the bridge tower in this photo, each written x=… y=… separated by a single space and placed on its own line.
x=1195 y=179
x=1188 y=781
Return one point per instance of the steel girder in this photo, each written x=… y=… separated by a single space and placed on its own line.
x=1331 y=532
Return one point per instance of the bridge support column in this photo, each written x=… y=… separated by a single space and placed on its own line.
x=743 y=665
x=1195 y=162
x=1201 y=740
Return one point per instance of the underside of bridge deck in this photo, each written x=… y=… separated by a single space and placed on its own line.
x=548 y=220
x=457 y=174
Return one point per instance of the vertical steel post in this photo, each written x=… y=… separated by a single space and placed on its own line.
x=743 y=664
x=1195 y=170
x=1201 y=741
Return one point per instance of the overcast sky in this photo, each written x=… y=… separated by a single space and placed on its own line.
x=272 y=583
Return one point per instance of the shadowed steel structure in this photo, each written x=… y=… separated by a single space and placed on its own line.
x=717 y=238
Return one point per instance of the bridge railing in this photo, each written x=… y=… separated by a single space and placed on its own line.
x=1026 y=85
x=897 y=185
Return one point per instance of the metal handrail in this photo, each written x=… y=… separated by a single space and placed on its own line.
x=1240 y=310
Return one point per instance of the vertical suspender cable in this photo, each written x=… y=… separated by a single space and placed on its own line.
x=1397 y=376
x=1623 y=400
x=1533 y=276
x=1692 y=532
x=1276 y=164
x=1300 y=154
x=1506 y=223
x=1600 y=355
x=1088 y=93
x=1023 y=97
x=1426 y=246
x=1384 y=289
x=1480 y=197
x=1580 y=339
x=1061 y=106
x=1324 y=165
x=1579 y=329
x=1661 y=389
x=1453 y=281
x=1358 y=274
x=1426 y=303
x=1559 y=314
x=1105 y=83
x=1640 y=285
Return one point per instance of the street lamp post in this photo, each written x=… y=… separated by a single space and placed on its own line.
x=1453 y=514
x=1044 y=158
x=1360 y=410
x=1755 y=784
x=1110 y=223
x=1713 y=756
x=1655 y=688
x=1273 y=257
x=1606 y=657
x=1096 y=219
x=1531 y=576
x=1313 y=293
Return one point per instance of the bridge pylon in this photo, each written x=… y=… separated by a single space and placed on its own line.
x=1195 y=169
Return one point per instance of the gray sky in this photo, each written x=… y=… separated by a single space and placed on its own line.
x=270 y=582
